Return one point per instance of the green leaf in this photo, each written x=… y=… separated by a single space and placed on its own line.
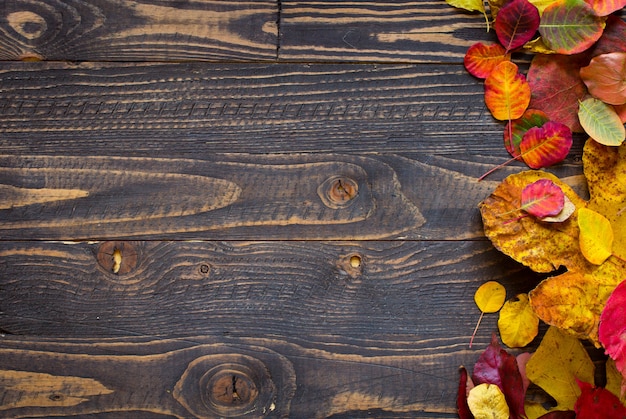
x=601 y=122
x=570 y=26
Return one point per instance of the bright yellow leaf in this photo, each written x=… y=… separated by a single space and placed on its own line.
x=518 y=324
x=596 y=236
x=486 y=401
x=490 y=296
x=559 y=360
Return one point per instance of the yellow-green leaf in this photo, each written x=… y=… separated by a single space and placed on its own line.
x=486 y=401
x=559 y=360
x=490 y=296
x=596 y=236
x=601 y=122
x=518 y=324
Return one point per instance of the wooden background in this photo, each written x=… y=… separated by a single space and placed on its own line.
x=243 y=208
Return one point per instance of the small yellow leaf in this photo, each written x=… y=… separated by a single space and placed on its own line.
x=518 y=324
x=596 y=236
x=557 y=363
x=486 y=401
x=490 y=296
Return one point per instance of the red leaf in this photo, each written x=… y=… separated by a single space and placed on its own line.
x=544 y=146
x=516 y=23
x=516 y=129
x=497 y=366
x=481 y=59
x=557 y=87
x=461 y=398
x=543 y=198
x=612 y=329
x=612 y=39
x=597 y=402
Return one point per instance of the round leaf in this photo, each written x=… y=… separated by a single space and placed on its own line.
x=486 y=401
x=516 y=23
x=605 y=77
x=596 y=236
x=518 y=324
x=507 y=94
x=481 y=59
x=546 y=145
x=490 y=296
x=606 y=7
x=601 y=122
x=543 y=198
x=516 y=129
x=570 y=26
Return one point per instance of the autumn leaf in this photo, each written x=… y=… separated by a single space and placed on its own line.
x=542 y=198
x=612 y=39
x=606 y=7
x=601 y=122
x=541 y=4
x=516 y=23
x=461 y=399
x=489 y=298
x=518 y=324
x=543 y=247
x=615 y=381
x=546 y=145
x=471 y=6
x=570 y=26
x=597 y=402
x=605 y=77
x=496 y=366
x=507 y=93
x=559 y=361
x=596 y=236
x=612 y=331
x=515 y=130
x=481 y=59
x=558 y=73
x=486 y=401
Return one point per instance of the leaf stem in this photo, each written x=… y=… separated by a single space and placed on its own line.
x=500 y=166
x=482 y=313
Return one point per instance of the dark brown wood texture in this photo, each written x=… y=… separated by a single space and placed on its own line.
x=243 y=209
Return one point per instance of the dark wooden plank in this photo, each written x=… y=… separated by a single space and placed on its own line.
x=383 y=334
x=293 y=197
x=107 y=30
x=378 y=31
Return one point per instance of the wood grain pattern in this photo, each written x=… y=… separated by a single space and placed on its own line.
x=385 y=336
x=378 y=31
x=107 y=30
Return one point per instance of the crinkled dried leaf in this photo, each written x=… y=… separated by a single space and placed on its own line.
x=516 y=23
x=559 y=360
x=605 y=77
x=543 y=198
x=570 y=26
x=541 y=246
x=514 y=133
x=518 y=324
x=546 y=145
x=481 y=59
x=612 y=331
x=596 y=236
x=486 y=401
x=601 y=122
x=558 y=73
x=597 y=402
x=507 y=93
x=605 y=170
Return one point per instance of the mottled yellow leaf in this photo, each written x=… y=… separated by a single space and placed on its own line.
x=615 y=382
x=596 y=236
x=518 y=324
x=559 y=360
x=490 y=296
x=486 y=401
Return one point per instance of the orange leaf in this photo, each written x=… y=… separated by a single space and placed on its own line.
x=481 y=59
x=507 y=94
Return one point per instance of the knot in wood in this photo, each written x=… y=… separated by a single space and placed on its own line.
x=232 y=388
x=117 y=257
x=338 y=191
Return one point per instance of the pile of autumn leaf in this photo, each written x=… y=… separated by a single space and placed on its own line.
x=576 y=83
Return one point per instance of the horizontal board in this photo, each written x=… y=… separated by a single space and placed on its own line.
x=260 y=197
x=108 y=30
x=378 y=31
x=362 y=327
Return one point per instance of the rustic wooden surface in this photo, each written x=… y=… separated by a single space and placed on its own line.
x=242 y=208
